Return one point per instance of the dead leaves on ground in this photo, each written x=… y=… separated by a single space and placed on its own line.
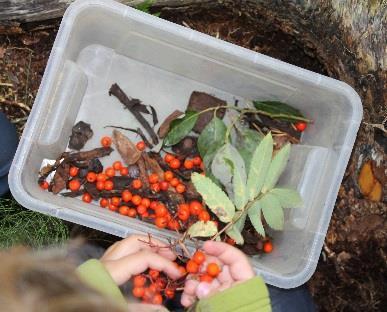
x=369 y=186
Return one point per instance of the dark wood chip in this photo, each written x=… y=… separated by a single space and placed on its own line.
x=61 y=177
x=80 y=134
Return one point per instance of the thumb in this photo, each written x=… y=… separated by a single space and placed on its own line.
x=204 y=289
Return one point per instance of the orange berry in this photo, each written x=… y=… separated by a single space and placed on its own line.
x=86 y=198
x=74 y=185
x=145 y=202
x=195 y=207
x=268 y=247
x=213 y=269
x=106 y=141
x=197 y=161
x=102 y=177
x=103 y=202
x=174 y=182
x=138 y=292
x=154 y=274
x=192 y=267
x=141 y=145
x=100 y=185
x=113 y=207
x=175 y=163
x=126 y=196
x=73 y=171
x=44 y=185
x=164 y=185
x=169 y=293
x=160 y=283
x=136 y=184
x=124 y=171
x=153 y=205
x=117 y=165
x=199 y=257
x=168 y=175
x=110 y=172
x=123 y=210
x=168 y=158
x=206 y=278
x=115 y=201
x=204 y=216
x=182 y=270
x=153 y=178
x=301 y=126
x=161 y=210
x=180 y=188
x=174 y=225
x=155 y=187
x=145 y=215
x=109 y=185
x=139 y=280
x=136 y=200
x=183 y=213
x=188 y=164
x=141 y=210
x=161 y=222
x=91 y=177
x=132 y=212
x=157 y=299
x=230 y=241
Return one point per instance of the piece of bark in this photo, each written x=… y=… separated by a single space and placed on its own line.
x=130 y=104
x=121 y=182
x=80 y=134
x=165 y=126
x=87 y=155
x=200 y=101
x=186 y=147
x=137 y=131
x=91 y=188
x=61 y=178
x=128 y=151
x=143 y=174
x=153 y=166
x=190 y=192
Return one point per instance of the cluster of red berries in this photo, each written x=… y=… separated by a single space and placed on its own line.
x=195 y=209
x=188 y=164
x=194 y=266
x=152 y=287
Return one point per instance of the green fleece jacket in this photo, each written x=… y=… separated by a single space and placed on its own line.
x=250 y=296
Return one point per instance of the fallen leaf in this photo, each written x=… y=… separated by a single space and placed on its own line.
x=128 y=151
x=61 y=178
x=164 y=128
x=153 y=166
x=366 y=179
x=376 y=193
x=343 y=256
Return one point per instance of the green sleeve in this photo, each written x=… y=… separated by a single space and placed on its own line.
x=94 y=274
x=249 y=296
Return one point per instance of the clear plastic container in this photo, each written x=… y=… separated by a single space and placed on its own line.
x=102 y=42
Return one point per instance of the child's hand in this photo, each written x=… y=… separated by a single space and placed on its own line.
x=131 y=257
x=235 y=269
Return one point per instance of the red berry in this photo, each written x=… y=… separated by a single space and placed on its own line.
x=153 y=205
x=138 y=292
x=197 y=161
x=132 y=212
x=161 y=210
x=183 y=212
x=169 y=293
x=268 y=247
x=168 y=175
x=192 y=267
x=74 y=185
x=161 y=222
x=73 y=171
x=115 y=201
x=300 y=126
x=113 y=207
x=145 y=202
x=175 y=163
x=139 y=280
x=102 y=177
x=182 y=270
x=173 y=225
x=195 y=207
x=199 y=257
x=141 y=210
x=106 y=141
x=206 y=278
x=155 y=187
x=153 y=178
x=126 y=196
x=230 y=241
x=157 y=299
x=110 y=172
x=204 y=216
x=160 y=283
x=91 y=177
x=100 y=185
x=164 y=185
x=136 y=200
x=188 y=164
x=117 y=165
x=154 y=274
x=124 y=210
x=137 y=184
x=109 y=185
x=124 y=171
x=86 y=198
x=174 y=182
x=141 y=145
x=168 y=158
x=103 y=202
x=180 y=188
x=44 y=185
x=213 y=269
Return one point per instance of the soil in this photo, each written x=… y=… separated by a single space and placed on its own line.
x=351 y=273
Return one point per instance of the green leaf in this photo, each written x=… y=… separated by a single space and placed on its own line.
x=207 y=160
x=272 y=211
x=255 y=217
x=288 y=198
x=212 y=136
x=279 y=110
x=202 y=229
x=221 y=169
x=246 y=142
x=260 y=164
x=276 y=168
x=214 y=197
x=180 y=128
x=235 y=231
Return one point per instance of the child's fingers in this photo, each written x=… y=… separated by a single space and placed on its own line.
x=190 y=287
x=136 y=243
x=124 y=268
x=205 y=289
x=187 y=300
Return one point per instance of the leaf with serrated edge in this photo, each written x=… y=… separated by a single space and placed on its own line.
x=213 y=135
x=235 y=235
x=288 y=198
x=222 y=170
x=202 y=229
x=277 y=166
x=179 y=128
x=259 y=166
x=254 y=213
x=214 y=197
x=272 y=211
x=235 y=231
